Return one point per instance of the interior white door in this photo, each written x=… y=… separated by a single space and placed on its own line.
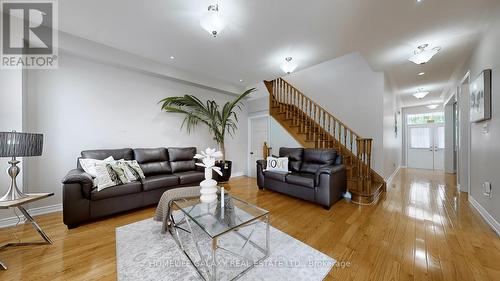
x=258 y=135
x=426 y=146
x=420 y=147
x=439 y=147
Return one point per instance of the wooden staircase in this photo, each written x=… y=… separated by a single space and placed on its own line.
x=314 y=127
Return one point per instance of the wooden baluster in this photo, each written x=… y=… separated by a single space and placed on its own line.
x=287 y=101
x=314 y=125
x=345 y=136
x=303 y=115
x=350 y=140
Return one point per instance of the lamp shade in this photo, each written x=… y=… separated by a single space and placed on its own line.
x=14 y=144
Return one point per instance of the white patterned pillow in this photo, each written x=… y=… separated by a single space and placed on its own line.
x=89 y=165
x=120 y=170
x=133 y=171
x=277 y=164
x=106 y=176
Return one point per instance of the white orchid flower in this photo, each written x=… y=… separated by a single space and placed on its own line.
x=208 y=158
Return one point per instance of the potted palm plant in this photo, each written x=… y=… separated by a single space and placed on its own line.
x=219 y=120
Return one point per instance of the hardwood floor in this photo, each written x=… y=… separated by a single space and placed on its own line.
x=421 y=229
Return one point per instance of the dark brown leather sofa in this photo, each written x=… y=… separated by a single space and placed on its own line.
x=317 y=175
x=164 y=168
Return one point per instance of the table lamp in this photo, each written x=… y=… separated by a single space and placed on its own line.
x=14 y=144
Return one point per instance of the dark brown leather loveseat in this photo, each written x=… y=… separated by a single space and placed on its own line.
x=164 y=168
x=316 y=175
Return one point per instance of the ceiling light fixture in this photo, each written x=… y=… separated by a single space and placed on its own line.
x=420 y=94
x=421 y=74
x=422 y=55
x=432 y=106
x=241 y=80
x=289 y=66
x=212 y=20
x=172 y=57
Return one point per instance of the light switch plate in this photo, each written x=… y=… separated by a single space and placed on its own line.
x=487 y=189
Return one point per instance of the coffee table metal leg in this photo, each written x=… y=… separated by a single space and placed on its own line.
x=214 y=260
x=35 y=225
x=3 y=265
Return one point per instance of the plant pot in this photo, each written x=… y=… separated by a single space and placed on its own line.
x=225 y=169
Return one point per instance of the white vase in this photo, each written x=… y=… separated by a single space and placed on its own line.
x=208 y=189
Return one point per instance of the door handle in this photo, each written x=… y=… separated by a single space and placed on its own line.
x=251 y=153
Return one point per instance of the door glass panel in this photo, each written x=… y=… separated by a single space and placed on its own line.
x=440 y=137
x=420 y=137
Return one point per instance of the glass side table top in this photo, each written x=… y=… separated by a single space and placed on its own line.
x=215 y=221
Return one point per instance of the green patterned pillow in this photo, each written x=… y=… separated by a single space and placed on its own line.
x=135 y=169
x=119 y=168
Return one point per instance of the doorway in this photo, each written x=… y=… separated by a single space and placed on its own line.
x=424 y=139
x=257 y=135
x=426 y=146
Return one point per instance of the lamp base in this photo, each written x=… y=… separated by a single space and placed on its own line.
x=13 y=193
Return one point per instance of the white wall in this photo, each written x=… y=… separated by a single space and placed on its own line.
x=349 y=89
x=279 y=137
x=392 y=145
x=11 y=106
x=89 y=105
x=485 y=147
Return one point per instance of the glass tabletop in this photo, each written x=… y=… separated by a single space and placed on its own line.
x=215 y=220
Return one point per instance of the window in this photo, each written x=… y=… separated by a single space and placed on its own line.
x=420 y=137
x=424 y=118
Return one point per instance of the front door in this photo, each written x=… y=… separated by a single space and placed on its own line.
x=426 y=146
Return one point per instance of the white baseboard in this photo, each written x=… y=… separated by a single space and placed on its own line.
x=33 y=212
x=391 y=177
x=237 y=174
x=486 y=216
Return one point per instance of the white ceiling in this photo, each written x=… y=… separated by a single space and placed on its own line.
x=261 y=33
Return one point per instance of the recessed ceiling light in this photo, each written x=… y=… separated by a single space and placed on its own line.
x=241 y=80
x=432 y=106
x=423 y=55
x=421 y=74
x=419 y=1
x=172 y=57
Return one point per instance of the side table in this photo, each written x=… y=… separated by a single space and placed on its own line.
x=19 y=205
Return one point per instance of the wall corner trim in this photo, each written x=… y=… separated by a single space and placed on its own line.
x=484 y=213
x=391 y=177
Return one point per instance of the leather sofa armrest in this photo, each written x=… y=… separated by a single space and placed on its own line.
x=331 y=184
x=261 y=166
x=77 y=176
x=76 y=189
x=329 y=170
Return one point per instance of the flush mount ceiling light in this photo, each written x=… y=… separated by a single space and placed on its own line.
x=289 y=66
x=421 y=74
x=420 y=94
x=212 y=20
x=432 y=106
x=422 y=55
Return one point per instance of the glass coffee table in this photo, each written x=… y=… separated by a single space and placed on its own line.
x=221 y=243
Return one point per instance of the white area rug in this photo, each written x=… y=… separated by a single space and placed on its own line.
x=143 y=253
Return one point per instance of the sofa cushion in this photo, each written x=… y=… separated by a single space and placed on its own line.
x=275 y=176
x=159 y=181
x=114 y=191
x=294 y=157
x=153 y=161
x=314 y=159
x=182 y=158
x=190 y=177
x=303 y=179
x=101 y=154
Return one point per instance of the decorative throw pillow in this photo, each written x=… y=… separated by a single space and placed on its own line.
x=119 y=168
x=277 y=164
x=106 y=176
x=89 y=165
x=135 y=169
